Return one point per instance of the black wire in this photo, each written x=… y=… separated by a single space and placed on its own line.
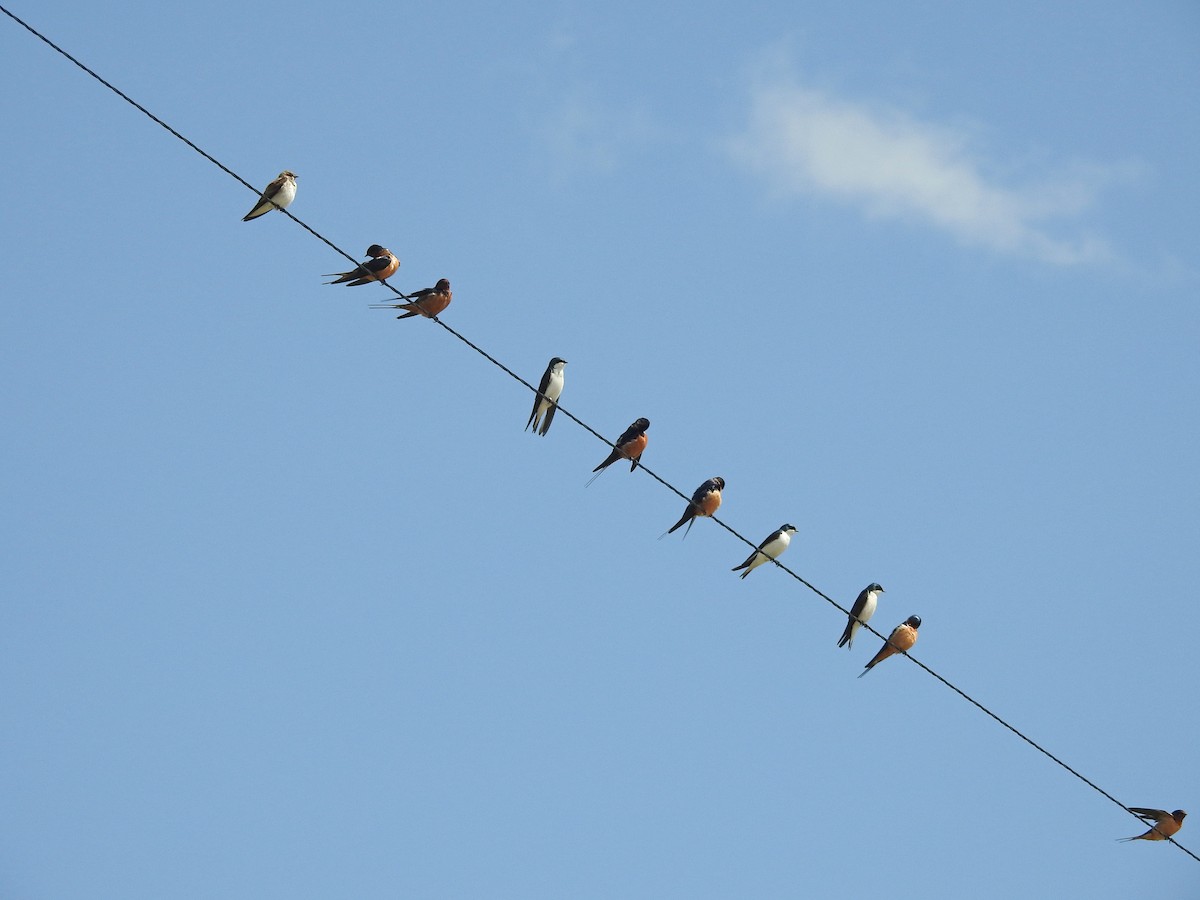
x=212 y=159
x=594 y=432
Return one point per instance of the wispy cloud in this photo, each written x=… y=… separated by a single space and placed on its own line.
x=585 y=135
x=890 y=164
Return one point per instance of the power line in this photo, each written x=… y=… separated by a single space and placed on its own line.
x=495 y=362
x=212 y=159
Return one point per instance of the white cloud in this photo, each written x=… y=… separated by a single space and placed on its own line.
x=584 y=135
x=889 y=164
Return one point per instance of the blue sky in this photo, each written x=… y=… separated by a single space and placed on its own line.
x=293 y=607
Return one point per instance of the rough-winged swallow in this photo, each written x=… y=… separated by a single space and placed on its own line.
x=279 y=193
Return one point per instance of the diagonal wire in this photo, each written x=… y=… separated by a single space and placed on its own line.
x=212 y=159
x=578 y=421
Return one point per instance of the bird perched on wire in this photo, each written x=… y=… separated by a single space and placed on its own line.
x=1165 y=823
x=629 y=446
x=705 y=502
x=279 y=194
x=860 y=613
x=546 y=402
x=901 y=640
x=381 y=266
x=427 y=302
x=768 y=550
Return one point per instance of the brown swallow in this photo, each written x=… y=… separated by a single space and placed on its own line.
x=705 y=502
x=1165 y=823
x=279 y=195
x=629 y=446
x=901 y=640
x=427 y=302
x=380 y=267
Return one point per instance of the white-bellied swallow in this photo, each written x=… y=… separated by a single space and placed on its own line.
x=901 y=640
x=1165 y=823
x=768 y=549
x=705 y=502
x=279 y=193
x=860 y=613
x=629 y=446
x=546 y=402
x=381 y=266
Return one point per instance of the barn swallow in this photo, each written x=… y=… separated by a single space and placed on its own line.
x=629 y=446
x=704 y=502
x=546 y=401
x=860 y=613
x=768 y=549
x=279 y=193
x=901 y=640
x=1165 y=823
x=380 y=267
x=427 y=302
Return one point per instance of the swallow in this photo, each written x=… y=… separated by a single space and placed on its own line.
x=901 y=640
x=427 y=302
x=629 y=446
x=768 y=549
x=860 y=613
x=1165 y=823
x=380 y=267
x=279 y=194
x=546 y=401
x=704 y=502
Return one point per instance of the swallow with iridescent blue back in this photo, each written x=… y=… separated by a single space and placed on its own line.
x=427 y=302
x=704 y=503
x=860 y=613
x=768 y=550
x=381 y=266
x=546 y=402
x=1165 y=825
x=629 y=446
x=901 y=640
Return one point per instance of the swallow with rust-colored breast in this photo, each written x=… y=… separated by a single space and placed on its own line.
x=546 y=402
x=279 y=194
x=901 y=640
x=1165 y=823
x=860 y=613
x=705 y=502
x=629 y=446
x=381 y=266
x=427 y=302
x=767 y=550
